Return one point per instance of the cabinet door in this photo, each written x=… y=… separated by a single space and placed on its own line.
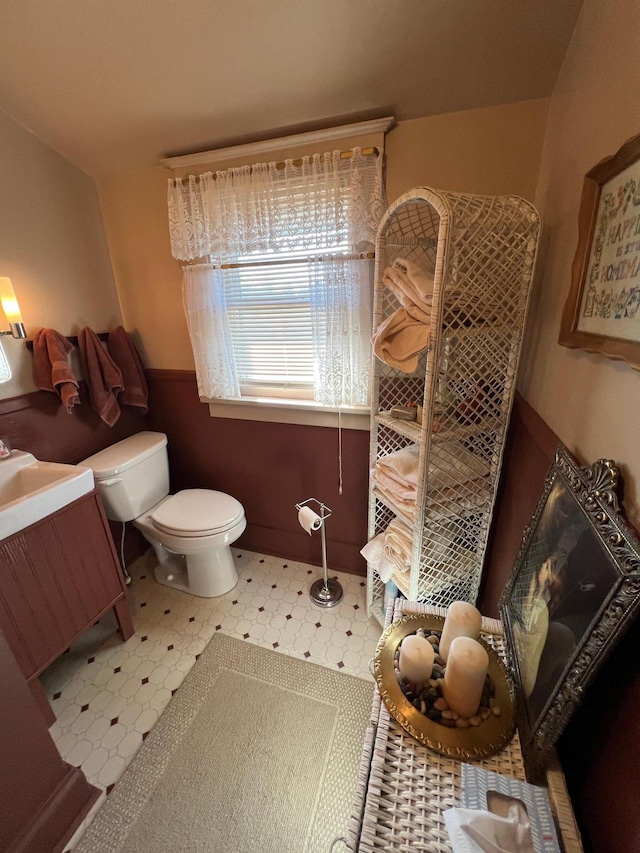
x=56 y=578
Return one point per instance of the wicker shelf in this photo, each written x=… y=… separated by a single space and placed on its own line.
x=481 y=252
x=413 y=430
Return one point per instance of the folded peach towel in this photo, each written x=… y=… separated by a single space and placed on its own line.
x=400 y=339
x=103 y=377
x=398 y=543
x=411 y=284
x=51 y=370
x=122 y=350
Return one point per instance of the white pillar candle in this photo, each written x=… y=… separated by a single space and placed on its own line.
x=463 y=620
x=416 y=659
x=464 y=676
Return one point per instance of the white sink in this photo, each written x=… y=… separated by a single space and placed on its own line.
x=30 y=490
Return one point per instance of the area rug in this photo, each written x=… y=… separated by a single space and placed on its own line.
x=256 y=753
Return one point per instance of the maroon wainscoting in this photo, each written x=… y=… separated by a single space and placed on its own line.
x=529 y=452
x=39 y=424
x=268 y=467
x=600 y=749
x=43 y=799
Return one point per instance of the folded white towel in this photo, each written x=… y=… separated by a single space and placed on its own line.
x=400 y=491
x=402 y=465
x=399 y=563
x=398 y=537
x=452 y=464
x=407 y=508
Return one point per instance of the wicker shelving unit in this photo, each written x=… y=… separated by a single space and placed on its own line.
x=481 y=252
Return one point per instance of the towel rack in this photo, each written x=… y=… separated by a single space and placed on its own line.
x=103 y=336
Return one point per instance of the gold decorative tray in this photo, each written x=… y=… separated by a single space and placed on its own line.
x=472 y=743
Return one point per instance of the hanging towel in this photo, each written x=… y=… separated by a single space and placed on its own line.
x=51 y=370
x=123 y=352
x=373 y=554
x=103 y=377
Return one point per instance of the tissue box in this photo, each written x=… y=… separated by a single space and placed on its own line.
x=477 y=783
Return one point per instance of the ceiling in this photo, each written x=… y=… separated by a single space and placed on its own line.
x=115 y=86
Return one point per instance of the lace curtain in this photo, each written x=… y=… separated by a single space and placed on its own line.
x=341 y=322
x=206 y=311
x=326 y=204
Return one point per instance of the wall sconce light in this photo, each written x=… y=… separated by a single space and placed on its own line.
x=11 y=309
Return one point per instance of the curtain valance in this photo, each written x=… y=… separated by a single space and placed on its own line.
x=315 y=204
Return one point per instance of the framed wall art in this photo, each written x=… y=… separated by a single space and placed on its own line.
x=574 y=588
x=602 y=311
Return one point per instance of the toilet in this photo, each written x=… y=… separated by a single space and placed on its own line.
x=191 y=532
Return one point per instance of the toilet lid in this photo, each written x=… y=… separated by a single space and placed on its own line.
x=197 y=512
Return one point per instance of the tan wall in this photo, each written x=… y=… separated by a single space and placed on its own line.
x=494 y=150
x=52 y=246
x=590 y=402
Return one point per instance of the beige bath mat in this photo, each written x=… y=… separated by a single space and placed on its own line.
x=256 y=753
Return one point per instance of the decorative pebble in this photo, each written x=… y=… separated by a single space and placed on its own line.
x=448 y=715
x=433 y=640
x=440 y=661
x=462 y=723
x=420 y=632
x=484 y=713
x=437 y=670
x=450 y=724
x=441 y=704
x=496 y=710
x=423 y=706
x=475 y=721
x=433 y=683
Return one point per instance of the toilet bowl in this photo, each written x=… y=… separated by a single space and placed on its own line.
x=194 y=560
x=191 y=532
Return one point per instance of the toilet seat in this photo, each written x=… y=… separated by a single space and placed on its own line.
x=197 y=512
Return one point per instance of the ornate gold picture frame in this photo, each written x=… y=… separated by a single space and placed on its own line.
x=602 y=311
x=574 y=589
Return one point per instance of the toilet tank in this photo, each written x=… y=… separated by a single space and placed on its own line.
x=131 y=475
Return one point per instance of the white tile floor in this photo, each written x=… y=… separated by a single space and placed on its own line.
x=108 y=694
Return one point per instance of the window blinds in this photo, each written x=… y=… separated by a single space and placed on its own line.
x=269 y=310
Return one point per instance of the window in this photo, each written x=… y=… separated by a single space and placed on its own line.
x=5 y=370
x=269 y=310
x=283 y=307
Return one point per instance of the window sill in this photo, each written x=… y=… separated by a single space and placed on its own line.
x=287 y=411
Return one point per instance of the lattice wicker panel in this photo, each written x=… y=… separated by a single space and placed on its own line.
x=481 y=252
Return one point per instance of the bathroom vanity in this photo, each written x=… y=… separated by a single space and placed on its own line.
x=58 y=576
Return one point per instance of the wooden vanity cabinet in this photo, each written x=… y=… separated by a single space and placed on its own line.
x=57 y=578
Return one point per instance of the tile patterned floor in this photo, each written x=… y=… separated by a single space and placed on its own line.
x=108 y=694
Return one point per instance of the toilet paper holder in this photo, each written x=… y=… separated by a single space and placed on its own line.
x=326 y=591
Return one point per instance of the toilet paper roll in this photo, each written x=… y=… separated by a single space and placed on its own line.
x=309 y=520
